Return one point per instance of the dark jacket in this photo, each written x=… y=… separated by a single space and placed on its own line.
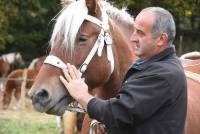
x=152 y=99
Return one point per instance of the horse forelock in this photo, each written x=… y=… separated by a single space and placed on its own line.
x=68 y=23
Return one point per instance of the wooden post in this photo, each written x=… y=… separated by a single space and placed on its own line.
x=180 y=50
x=69 y=122
x=23 y=92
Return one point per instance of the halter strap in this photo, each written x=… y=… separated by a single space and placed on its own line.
x=94 y=20
x=55 y=61
x=103 y=38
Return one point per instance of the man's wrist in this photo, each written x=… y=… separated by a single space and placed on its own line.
x=84 y=100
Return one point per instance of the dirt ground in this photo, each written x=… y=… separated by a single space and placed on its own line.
x=28 y=114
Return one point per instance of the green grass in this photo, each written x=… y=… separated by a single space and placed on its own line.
x=13 y=126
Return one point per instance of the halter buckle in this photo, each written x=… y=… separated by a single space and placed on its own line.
x=108 y=39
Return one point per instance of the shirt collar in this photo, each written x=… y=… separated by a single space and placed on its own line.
x=141 y=64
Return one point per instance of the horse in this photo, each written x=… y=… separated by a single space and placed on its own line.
x=191 y=55
x=191 y=64
x=4 y=69
x=193 y=114
x=37 y=63
x=11 y=62
x=84 y=28
x=102 y=76
x=14 y=58
x=13 y=86
x=15 y=79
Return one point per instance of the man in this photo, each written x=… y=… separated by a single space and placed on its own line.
x=153 y=95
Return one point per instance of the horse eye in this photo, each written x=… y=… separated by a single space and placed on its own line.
x=82 y=39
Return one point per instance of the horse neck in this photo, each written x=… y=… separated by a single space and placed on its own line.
x=126 y=29
x=32 y=64
x=124 y=56
x=122 y=46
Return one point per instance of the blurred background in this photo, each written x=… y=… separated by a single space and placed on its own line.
x=26 y=26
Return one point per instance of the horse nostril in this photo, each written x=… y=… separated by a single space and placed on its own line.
x=42 y=97
x=43 y=94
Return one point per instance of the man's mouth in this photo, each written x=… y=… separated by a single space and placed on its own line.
x=137 y=46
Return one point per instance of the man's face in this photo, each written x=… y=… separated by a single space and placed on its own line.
x=141 y=39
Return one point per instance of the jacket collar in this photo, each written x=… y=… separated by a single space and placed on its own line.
x=140 y=65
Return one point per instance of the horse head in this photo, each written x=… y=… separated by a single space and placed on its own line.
x=82 y=37
x=18 y=59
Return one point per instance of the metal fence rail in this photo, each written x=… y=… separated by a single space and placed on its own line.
x=19 y=79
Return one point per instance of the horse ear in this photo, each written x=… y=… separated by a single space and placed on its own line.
x=92 y=6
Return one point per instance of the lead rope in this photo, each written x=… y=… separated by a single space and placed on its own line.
x=92 y=126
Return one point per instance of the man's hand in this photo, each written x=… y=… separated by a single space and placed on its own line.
x=76 y=85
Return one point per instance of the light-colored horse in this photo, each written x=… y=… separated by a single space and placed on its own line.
x=191 y=64
x=15 y=79
x=13 y=58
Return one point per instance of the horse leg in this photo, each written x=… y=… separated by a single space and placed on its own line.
x=60 y=125
x=17 y=95
x=69 y=122
x=6 y=69
x=6 y=99
x=2 y=86
x=86 y=127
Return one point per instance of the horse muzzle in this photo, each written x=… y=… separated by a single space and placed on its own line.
x=44 y=101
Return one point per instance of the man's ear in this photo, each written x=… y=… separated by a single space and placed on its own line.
x=162 y=39
x=92 y=6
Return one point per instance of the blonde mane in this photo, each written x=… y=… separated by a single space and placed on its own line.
x=72 y=16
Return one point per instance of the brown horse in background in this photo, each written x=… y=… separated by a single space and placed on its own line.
x=14 y=82
x=9 y=62
x=191 y=64
x=37 y=63
x=73 y=38
x=4 y=70
x=13 y=86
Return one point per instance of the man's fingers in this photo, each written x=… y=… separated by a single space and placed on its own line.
x=76 y=72
x=71 y=71
x=65 y=82
x=66 y=74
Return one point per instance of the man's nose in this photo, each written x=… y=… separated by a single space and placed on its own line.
x=134 y=37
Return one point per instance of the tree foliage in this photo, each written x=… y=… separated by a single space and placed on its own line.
x=25 y=25
x=186 y=14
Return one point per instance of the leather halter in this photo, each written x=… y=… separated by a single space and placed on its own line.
x=103 y=38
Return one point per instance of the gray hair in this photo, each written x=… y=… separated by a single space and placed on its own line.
x=164 y=22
